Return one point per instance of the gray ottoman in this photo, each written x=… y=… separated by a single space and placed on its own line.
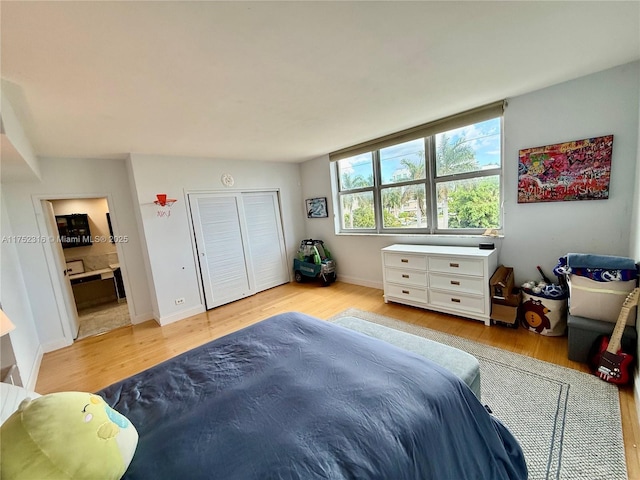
x=464 y=365
x=583 y=332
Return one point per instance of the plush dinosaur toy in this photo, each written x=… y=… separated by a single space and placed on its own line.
x=66 y=435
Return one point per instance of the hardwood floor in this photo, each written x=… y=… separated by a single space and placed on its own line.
x=96 y=362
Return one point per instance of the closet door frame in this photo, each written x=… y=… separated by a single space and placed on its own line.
x=192 y=197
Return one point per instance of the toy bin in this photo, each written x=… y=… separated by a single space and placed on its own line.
x=544 y=309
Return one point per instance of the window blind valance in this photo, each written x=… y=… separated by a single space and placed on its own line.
x=468 y=117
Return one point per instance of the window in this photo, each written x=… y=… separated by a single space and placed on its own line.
x=446 y=181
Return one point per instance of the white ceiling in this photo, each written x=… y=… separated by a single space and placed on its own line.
x=284 y=81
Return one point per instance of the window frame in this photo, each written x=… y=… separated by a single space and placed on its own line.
x=431 y=182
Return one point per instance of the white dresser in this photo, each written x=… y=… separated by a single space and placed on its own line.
x=452 y=280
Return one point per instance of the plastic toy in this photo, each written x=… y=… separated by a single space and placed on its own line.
x=314 y=261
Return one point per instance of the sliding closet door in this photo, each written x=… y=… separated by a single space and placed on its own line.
x=267 y=255
x=240 y=244
x=221 y=252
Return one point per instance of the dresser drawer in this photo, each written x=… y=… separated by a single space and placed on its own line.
x=461 y=302
x=405 y=277
x=405 y=260
x=462 y=266
x=447 y=279
x=457 y=283
x=414 y=294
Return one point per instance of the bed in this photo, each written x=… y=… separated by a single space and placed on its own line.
x=294 y=397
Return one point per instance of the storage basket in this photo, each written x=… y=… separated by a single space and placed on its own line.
x=545 y=312
x=599 y=300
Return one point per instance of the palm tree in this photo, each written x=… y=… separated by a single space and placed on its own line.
x=351 y=182
x=452 y=157
x=417 y=170
x=391 y=200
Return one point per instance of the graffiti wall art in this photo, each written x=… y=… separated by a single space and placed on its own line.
x=578 y=170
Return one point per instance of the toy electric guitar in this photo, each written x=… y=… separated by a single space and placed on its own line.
x=613 y=364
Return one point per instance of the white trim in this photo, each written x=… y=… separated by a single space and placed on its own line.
x=360 y=281
x=49 y=252
x=32 y=378
x=187 y=193
x=229 y=190
x=56 y=345
x=190 y=312
x=50 y=256
x=192 y=237
x=141 y=318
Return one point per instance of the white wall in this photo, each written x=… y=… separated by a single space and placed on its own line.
x=170 y=258
x=634 y=252
x=65 y=178
x=15 y=303
x=634 y=242
x=599 y=104
x=29 y=167
x=534 y=234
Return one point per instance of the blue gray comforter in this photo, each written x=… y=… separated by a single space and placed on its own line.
x=293 y=397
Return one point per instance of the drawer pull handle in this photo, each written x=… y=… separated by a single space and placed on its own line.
x=404 y=275
x=455 y=300
x=405 y=292
x=454 y=265
x=404 y=260
x=455 y=282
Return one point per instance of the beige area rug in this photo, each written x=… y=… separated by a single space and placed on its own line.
x=567 y=422
x=102 y=319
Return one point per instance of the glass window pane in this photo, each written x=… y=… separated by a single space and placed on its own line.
x=469 y=149
x=357 y=210
x=404 y=207
x=402 y=162
x=356 y=172
x=470 y=203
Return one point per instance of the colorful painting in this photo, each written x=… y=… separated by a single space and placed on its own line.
x=578 y=170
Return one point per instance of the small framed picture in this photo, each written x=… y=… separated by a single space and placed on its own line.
x=317 y=207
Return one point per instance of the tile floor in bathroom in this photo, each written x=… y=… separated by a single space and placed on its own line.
x=103 y=318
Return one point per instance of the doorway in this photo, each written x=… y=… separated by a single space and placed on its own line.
x=90 y=264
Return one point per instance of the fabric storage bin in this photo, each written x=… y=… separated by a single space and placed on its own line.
x=599 y=300
x=546 y=316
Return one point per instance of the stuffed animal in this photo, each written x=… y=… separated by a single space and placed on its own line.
x=66 y=435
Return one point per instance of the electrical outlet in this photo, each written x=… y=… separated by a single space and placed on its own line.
x=179 y=301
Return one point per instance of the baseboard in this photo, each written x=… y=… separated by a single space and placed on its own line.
x=190 y=312
x=141 y=318
x=55 y=345
x=360 y=281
